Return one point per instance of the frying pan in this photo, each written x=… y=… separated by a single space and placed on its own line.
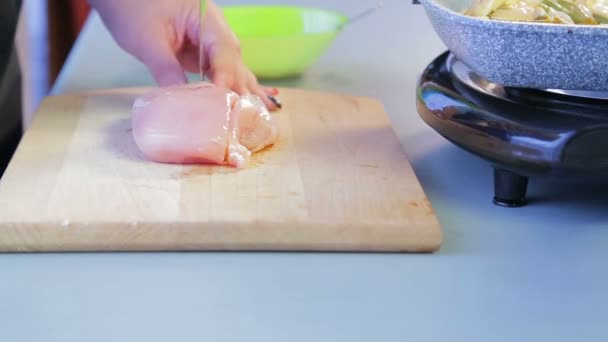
x=523 y=54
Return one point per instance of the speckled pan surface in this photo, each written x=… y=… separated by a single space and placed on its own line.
x=529 y=55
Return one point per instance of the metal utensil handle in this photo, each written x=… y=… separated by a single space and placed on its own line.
x=365 y=13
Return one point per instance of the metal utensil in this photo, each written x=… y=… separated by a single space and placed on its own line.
x=365 y=13
x=201 y=47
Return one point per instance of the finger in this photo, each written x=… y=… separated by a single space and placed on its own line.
x=222 y=78
x=271 y=91
x=225 y=68
x=261 y=93
x=163 y=65
x=242 y=88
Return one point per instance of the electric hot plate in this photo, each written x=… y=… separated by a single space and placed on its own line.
x=550 y=133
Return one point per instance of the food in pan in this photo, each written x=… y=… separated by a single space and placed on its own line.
x=582 y=12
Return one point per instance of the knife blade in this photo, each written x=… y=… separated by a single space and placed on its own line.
x=201 y=47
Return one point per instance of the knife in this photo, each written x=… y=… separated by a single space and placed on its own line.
x=201 y=48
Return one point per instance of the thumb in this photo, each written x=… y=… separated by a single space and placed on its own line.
x=163 y=65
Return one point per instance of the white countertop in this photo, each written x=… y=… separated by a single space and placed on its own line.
x=536 y=273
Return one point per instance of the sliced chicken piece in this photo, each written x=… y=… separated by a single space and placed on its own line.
x=251 y=129
x=201 y=124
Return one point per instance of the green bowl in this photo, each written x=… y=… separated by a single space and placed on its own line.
x=282 y=41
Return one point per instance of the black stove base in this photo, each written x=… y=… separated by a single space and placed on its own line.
x=522 y=132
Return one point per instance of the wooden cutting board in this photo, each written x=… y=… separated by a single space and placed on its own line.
x=337 y=180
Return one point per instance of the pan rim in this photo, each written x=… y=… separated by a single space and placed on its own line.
x=519 y=25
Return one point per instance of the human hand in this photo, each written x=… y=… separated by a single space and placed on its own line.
x=164 y=35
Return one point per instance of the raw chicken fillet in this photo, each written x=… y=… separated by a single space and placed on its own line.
x=201 y=124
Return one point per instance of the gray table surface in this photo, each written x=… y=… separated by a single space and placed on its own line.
x=531 y=274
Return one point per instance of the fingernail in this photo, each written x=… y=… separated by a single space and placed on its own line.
x=275 y=101
x=275 y=91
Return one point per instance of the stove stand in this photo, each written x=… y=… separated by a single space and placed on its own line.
x=509 y=189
